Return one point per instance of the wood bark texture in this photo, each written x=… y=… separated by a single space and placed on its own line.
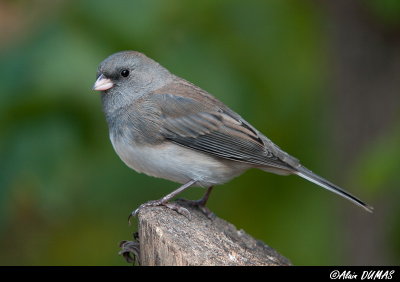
x=169 y=238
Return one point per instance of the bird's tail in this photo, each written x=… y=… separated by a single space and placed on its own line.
x=310 y=176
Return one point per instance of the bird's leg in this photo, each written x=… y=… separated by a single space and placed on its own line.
x=164 y=201
x=201 y=203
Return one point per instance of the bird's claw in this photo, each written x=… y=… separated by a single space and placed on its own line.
x=130 y=250
x=200 y=205
x=173 y=206
x=179 y=209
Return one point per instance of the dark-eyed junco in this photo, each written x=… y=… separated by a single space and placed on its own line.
x=166 y=127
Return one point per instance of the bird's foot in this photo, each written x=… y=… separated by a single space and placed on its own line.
x=171 y=205
x=201 y=205
x=130 y=250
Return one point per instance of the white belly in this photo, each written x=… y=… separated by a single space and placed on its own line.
x=177 y=163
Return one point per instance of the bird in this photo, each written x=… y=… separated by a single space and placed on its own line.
x=166 y=127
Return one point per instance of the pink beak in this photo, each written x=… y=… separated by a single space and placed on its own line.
x=102 y=83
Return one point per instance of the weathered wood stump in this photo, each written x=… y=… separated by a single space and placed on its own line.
x=169 y=238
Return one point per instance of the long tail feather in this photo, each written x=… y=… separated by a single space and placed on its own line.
x=310 y=176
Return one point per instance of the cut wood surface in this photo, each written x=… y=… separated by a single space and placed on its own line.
x=169 y=238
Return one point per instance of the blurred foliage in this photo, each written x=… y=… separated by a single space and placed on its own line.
x=64 y=193
x=388 y=11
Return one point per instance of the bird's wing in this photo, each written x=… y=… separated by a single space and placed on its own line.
x=199 y=121
x=214 y=129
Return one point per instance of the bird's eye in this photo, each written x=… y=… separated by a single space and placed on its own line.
x=125 y=73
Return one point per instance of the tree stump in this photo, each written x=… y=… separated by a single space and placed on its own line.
x=169 y=238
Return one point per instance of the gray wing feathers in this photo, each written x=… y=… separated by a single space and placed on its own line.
x=214 y=130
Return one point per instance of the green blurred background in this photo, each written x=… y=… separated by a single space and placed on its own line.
x=320 y=78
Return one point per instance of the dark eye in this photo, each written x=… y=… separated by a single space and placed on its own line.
x=125 y=73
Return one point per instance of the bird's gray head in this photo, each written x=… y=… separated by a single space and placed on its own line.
x=127 y=75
